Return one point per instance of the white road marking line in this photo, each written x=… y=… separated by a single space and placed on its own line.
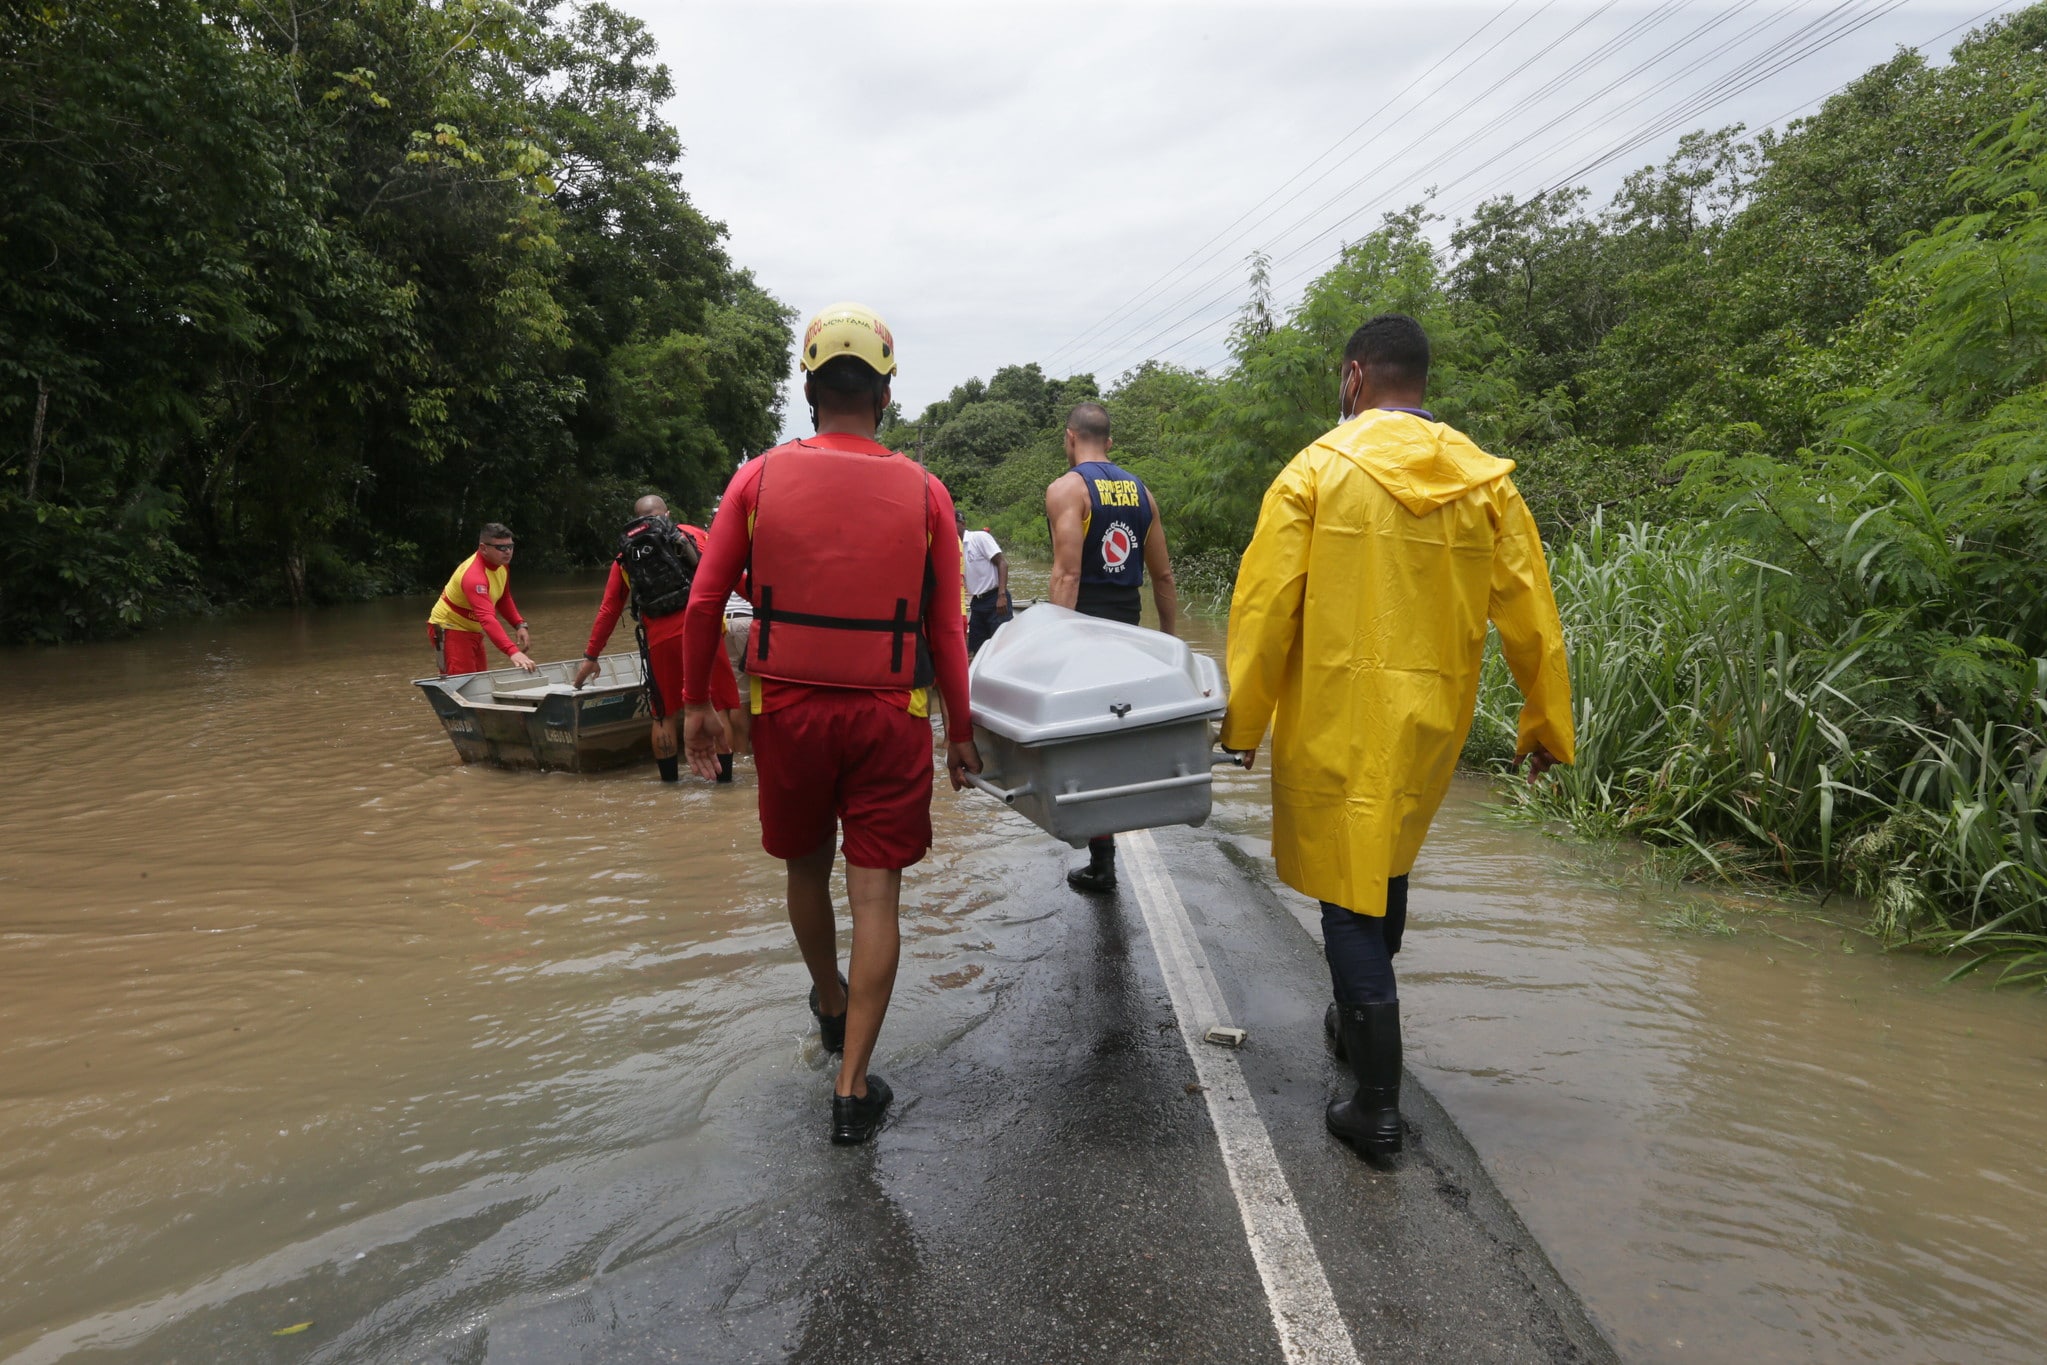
x=1311 y=1329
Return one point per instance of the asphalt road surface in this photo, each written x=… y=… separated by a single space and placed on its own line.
x=1074 y=1176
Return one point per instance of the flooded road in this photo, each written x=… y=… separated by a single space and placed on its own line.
x=1762 y=1139
x=306 y=1022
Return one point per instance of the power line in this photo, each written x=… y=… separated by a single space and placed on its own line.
x=1615 y=84
x=1463 y=109
x=1728 y=85
x=1916 y=47
x=1782 y=53
x=1621 y=108
x=1466 y=202
x=1184 y=264
x=1539 y=93
x=1628 y=144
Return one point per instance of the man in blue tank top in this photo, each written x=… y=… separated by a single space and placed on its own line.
x=1106 y=535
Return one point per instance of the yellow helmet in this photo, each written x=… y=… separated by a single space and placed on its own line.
x=849 y=329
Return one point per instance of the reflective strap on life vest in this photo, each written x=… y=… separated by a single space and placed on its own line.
x=902 y=625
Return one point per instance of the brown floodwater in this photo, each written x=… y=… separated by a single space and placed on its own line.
x=1741 y=1131
x=301 y=1015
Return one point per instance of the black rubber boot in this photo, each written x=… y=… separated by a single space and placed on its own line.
x=1100 y=872
x=671 y=767
x=724 y=767
x=831 y=1028
x=1370 y=1119
x=1334 y=1033
x=855 y=1117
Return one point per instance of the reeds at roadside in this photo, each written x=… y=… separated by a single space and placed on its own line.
x=1712 y=719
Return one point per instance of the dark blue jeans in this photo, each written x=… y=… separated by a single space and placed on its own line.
x=1360 y=948
x=985 y=614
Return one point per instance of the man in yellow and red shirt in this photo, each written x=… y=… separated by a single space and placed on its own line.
x=477 y=594
x=853 y=569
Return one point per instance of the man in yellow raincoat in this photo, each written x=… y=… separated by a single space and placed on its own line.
x=1360 y=619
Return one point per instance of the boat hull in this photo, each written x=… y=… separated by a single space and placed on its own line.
x=509 y=718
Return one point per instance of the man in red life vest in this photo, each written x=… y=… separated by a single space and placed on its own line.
x=651 y=574
x=853 y=569
x=477 y=593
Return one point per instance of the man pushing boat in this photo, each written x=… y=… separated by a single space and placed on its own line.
x=850 y=560
x=476 y=595
x=651 y=573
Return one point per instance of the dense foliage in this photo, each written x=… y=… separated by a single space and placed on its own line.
x=1812 y=369
x=293 y=295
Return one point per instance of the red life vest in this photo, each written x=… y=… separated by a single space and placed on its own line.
x=840 y=568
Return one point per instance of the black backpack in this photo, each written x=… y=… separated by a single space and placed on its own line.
x=660 y=563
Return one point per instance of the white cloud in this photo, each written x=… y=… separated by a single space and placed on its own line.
x=995 y=178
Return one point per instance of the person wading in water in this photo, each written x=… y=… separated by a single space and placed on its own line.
x=1106 y=536
x=478 y=592
x=853 y=568
x=651 y=574
x=987 y=592
x=1360 y=617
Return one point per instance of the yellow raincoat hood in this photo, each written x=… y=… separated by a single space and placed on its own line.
x=1357 y=629
x=1423 y=464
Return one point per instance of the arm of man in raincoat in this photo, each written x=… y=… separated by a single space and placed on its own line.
x=1524 y=611
x=1265 y=610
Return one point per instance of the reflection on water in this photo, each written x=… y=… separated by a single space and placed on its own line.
x=303 y=1020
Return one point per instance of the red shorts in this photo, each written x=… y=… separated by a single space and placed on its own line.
x=666 y=658
x=461 y=651
x=846 y=757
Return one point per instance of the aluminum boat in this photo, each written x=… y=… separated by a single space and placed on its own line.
x=515 y=719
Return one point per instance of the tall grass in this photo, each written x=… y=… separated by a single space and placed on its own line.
x=1712 y=718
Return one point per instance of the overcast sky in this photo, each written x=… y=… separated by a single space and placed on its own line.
x=998 y=180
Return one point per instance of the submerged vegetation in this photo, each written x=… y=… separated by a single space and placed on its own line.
x=293 y=296
x=1781 y=409
x=1718 y=715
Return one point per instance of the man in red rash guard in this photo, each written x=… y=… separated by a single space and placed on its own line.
x=660 y=628
x=853 y=569
x=724 y=681
x=477 y=593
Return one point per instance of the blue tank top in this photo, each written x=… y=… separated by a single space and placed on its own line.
x=1118 y=519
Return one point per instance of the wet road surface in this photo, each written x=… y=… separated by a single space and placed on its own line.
x=1049 y=1185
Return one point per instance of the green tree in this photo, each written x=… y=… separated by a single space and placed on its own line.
x=298 y=293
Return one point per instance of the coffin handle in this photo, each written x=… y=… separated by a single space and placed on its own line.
x=1007 y=795
x=1162 y=784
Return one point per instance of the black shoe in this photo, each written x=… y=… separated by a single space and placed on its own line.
x=831 y=1028
x=1092 y=879
x=1334 y=1033
x=1100 y=873
x=1370 y=1119
x=855 y=1117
